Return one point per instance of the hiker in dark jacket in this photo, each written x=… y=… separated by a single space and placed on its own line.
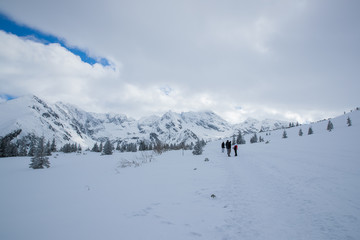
x=223 y=146
x=228 y=147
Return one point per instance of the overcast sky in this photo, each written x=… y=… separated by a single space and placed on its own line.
x=292 y=60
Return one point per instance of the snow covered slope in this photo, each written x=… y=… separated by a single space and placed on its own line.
x=65 y=122
x=301 y=187
x=34 y=116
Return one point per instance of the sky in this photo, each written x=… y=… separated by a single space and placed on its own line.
x=295 y=60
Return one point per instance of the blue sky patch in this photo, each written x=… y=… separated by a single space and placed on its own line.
x=10 y=26
x=6 y=97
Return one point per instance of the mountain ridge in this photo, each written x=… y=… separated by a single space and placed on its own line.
x=69 y=123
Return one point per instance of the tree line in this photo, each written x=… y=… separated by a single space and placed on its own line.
x=329 y=127
x=25 y=146
x=108 y=147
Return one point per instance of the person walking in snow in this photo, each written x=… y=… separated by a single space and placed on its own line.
x=235 y=149
x=222 y=146
x=228 y=147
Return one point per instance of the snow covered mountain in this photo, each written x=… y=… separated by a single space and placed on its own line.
x=68 y=123
x=252 y=125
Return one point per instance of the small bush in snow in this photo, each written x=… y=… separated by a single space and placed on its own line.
x=145 y=157
x=124 y=163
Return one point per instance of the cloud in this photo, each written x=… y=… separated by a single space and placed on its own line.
x=50 y=70
x=278 y=59
x=166 y=90
x=54 y=73
x=3 y=98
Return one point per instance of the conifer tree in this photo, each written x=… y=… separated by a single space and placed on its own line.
x=48 y=149
x=40 y=160
x=95 y=148
x=134 y=147
x=107 y=148
x=53 y=146
x=142 y=146
x=348 y=122
x=101 y=147
x=198 y=148
x=330 y=126
x=73 y=147
x=300 y=132
x=33 y=144
x=7 y=148
x=310 y=131
x=22 y=148
x=284 y=134
x=254 y=139
x=123 y=148
x=66 y=148
x=11 y=150
x=240 y=139
x=31 y=152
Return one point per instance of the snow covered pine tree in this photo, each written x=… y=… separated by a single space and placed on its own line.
x=107 y=148
x=330 y=126
x=40 y=159
x=198 y=148
x=348 y=121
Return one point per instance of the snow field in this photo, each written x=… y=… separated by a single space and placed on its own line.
x=296 y=188
x=91 y=197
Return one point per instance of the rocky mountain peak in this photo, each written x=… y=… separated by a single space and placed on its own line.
x=66 y=122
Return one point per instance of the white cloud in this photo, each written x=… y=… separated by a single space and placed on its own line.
x=278 y=59
x=238 y=35
x=3 y=99
x=166 y=90
x=51 y=71
x=54 y=73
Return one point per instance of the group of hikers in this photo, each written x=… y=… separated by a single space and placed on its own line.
x=227 y=145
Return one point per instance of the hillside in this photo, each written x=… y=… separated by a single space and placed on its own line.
x=296 y=188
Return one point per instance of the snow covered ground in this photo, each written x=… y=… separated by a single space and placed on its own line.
x=296 y=188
